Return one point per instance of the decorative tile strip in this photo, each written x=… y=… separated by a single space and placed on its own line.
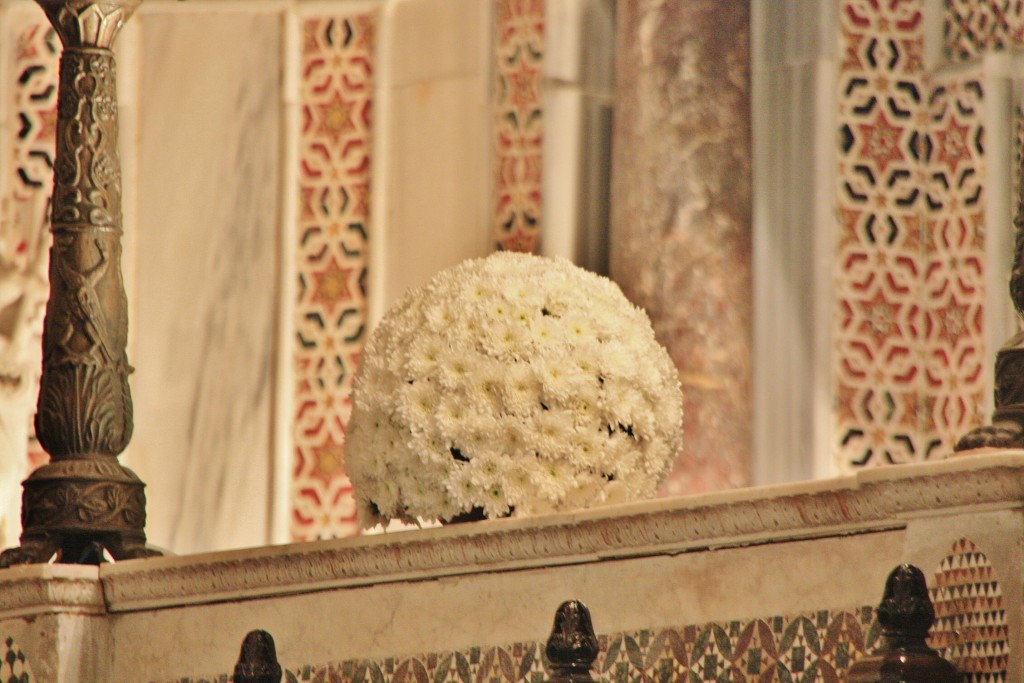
x=973 y=27
x=876 y=499
x=518 y=123
x=36 y=59
x=882 y=414
x=953 y=258
x=812 y=647
x=332 y=227
x=970 y=628
x=909 y=351
x=14 y=667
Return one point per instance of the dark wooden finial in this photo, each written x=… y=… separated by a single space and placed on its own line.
x=258 y=661
x=572 y=647
x=906 y=614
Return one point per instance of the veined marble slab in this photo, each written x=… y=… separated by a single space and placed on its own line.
x=206 y=274
x=431 y=179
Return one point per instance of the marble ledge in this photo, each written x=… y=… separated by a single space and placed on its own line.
x=873 y=500
x=38 y=589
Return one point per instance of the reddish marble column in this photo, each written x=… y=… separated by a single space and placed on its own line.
x=681 y=214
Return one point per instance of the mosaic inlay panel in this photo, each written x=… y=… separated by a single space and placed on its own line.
x=970 y=615
x=24 y=209
x=954 y=258
x=332 y=226
x=14 y=668
x=518 y=123
x=812 y=647
x=973 y=27
x=909 y=355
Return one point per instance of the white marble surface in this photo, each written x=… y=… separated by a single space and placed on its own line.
x=577 y=91
x=793 y=73
x=431 y=156
x=206 y=273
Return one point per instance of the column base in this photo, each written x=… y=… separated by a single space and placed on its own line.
x=70 y=507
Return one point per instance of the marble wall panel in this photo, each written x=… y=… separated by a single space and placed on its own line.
x=681 y=215
x=577 y=94
x=206 y=274
x=432 y=145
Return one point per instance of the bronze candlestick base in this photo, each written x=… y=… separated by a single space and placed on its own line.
x=84 y=501
x=1007 y=428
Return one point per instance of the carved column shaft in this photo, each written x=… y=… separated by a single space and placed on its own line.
x=85 y=406
x=84 y=416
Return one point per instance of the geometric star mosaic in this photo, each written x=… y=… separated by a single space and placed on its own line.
x=518 y=123
x=336 y=91
x=970 y=616
x=973 y=27
x=908 y=369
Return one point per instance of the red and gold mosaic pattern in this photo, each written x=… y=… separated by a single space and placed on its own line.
x=908 y=367
x=334 y=178
x=973 y=27
x=24 y=211
x=518 y=124
x=817 y=647
x=970 y=616
x=954 y=257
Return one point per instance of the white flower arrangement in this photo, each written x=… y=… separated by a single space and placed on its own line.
x=515 y=384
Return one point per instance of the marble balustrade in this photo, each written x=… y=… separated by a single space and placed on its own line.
x=746 y=580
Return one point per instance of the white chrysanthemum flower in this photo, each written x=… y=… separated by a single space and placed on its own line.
x=514 y=385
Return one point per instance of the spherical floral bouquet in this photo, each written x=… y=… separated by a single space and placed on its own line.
x=511 y=385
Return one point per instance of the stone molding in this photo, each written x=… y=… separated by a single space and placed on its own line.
x=32 y=590
x=872 y=500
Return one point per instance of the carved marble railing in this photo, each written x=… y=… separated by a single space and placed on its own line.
x=670 y=583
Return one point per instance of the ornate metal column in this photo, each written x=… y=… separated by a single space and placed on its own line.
x=84 y=496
